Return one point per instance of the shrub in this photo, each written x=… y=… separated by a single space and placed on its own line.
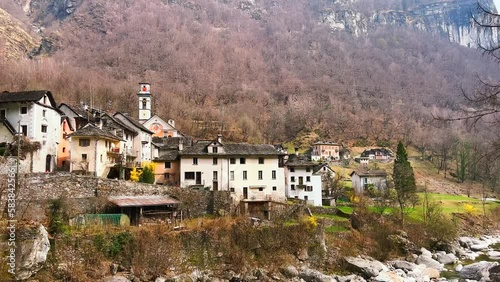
x=470 y=209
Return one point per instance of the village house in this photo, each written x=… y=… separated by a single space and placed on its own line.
x=305 y=179
x=328 y=151
x=161 y=128
x=166 y=158
x=377 y=154
x=363 y=178
x=251 y=172
x=33 y=114
x=94 y=151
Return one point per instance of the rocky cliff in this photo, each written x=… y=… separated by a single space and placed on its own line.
x=451 y=19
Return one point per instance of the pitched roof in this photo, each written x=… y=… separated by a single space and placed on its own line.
x=91 y=130
x=320 y=166
x=171 y=155
x=26 y=96
x=171 y=142
x=325 y=143
x=119 y=122
x=143 y=201
x=377 y=151
x=231 y=149
x=371 y=172
x=299 y=161
x=134 y=122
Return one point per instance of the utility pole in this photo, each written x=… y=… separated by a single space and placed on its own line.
x=18 y=153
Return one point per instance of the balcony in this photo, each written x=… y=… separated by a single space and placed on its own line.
x=300 y=186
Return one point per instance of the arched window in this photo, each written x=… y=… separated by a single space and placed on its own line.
x=144 y=102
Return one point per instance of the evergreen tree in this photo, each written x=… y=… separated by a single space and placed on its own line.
x=404 y=180
x=147 y=175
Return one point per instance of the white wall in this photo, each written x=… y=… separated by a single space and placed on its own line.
x=314 y=197
x=224 y=168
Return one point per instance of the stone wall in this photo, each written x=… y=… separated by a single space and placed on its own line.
x=87 y=194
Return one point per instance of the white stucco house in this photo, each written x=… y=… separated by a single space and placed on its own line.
x=362 y=178
x=33 y=114
x=305 y=179
x=250 y=172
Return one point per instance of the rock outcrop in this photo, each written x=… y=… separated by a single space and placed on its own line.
x=33 y=248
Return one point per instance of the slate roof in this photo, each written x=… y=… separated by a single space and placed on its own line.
x=299 y=161
x=134 y=122
x=91 y=130
x=119 y=122
x=326 y=143
x=168 y=156
x=372 y=172
x=231 y=149
x=171 y=142
x=320 y=166
x=377 y=152
x=26 y=96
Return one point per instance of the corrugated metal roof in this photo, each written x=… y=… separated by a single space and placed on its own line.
x=142 y=201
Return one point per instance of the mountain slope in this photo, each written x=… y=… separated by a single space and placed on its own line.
x=15 y=42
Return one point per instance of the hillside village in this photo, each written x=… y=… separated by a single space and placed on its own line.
x=81 y=139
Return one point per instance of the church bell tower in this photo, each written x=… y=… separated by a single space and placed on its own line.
x=144 y=102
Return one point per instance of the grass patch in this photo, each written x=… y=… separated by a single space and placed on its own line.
x=336 y=229
x=346 y=209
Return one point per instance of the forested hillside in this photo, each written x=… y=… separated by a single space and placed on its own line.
x=269 y=70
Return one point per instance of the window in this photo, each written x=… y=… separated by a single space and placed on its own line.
x=214 y=150
x=195 y=161
x=45 y=99
x=215 y=161
x=231 y=189
x=242 y=161
x=24 y=130
x=44 y=112
x=274 y=188
x=189 y=175
x=44 y=128
x=301 y=180
x=308 y=169
x=260 y=174
x=309 y=189
x=144 y=103
x=84 y=157
x=24 y=110
x=3 y=114
x=167 y=176
x=244 y=175
x=84 y=142
x=292 y=179
x=261 y=189
x=293 y=186
x=215 y=175
x=292 y=169
x=273 y=174
x=308 y=179
x=232 y=161
x=64 y=149
x=168 y=165
x=261 y=160
x=306 y=198
x=231 y=175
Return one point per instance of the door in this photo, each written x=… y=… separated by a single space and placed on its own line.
x=245 y=192
x=48 y=161
x=198 y=177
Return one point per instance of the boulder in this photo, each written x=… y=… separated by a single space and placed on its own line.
x=367 y=267
x=350 y=278
x=495 y=273
x=478 y=270
x=388 y=276
x=479 y=246
x=33 y=253
x=494 y=255
x=446 y=258
x=402 y=264
x=431 y=273
x=311 y=275
x=289 y=271
x=161 y=279
x=429 y=262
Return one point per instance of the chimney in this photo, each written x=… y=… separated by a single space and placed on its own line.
x=296 y=151
x=171 y=122
x=181 y=144
x=219 y=138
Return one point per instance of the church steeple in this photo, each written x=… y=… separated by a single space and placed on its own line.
x=144 y=102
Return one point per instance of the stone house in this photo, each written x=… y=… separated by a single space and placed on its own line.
x=362 y=178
